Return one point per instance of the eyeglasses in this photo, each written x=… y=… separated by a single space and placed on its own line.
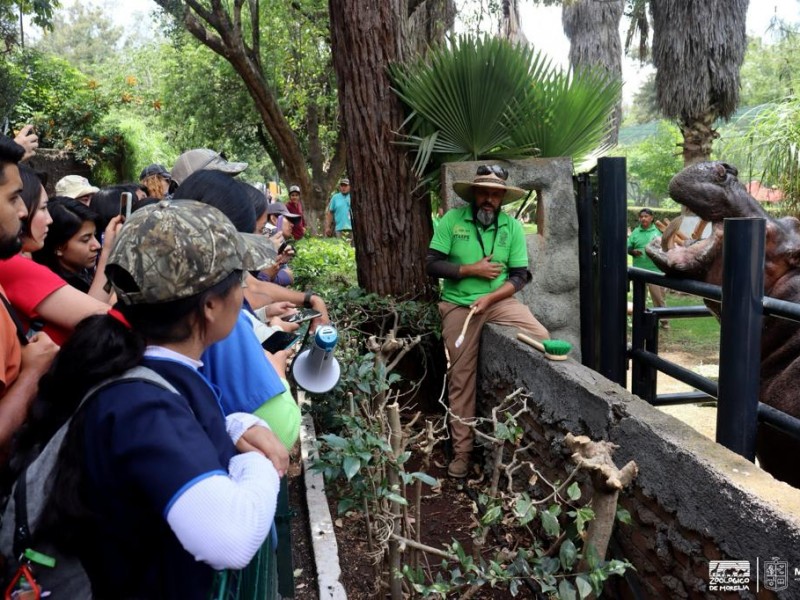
x=243 y=278
x=496 y=169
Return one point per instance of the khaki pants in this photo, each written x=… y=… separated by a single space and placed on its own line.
x=657 y=294
x=464 y=360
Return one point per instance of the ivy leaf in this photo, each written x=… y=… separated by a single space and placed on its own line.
x=492 y=515
x=574 y=491
x=334 y=441
x=567 y=554
x=396 y=498
x=623 y=516
x=365 y=368
x=350 y=465
x=584 y=587
x=425 y=478
x=550 y=523
x=344 y=505
x=566 y=591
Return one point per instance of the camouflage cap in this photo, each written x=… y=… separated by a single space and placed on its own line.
x=179 y=248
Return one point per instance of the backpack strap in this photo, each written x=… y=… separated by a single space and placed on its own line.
x=23 y=339
x=46 y=461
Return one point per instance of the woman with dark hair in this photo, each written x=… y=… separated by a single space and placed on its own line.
x=259 y=201
x=154 y=489
x=221 y=191
x=106 y=201
x=71 y=249
x=42 y=299
x=250 y=379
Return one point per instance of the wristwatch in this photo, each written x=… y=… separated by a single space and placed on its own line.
x=307 y=299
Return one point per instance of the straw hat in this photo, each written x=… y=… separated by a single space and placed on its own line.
x=490 y=180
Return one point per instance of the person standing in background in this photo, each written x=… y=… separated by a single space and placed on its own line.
x=295 y=206
x=642 y=235
x=337 y=217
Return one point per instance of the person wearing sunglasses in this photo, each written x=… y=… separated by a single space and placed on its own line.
x=480 y=254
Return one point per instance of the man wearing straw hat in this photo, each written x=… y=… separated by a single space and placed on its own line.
x=480 y=253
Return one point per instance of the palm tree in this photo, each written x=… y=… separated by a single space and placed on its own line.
x=698 y=48
x=484 y=98
x=593 y=31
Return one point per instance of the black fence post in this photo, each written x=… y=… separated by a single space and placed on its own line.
x=613 y=267
x=643 y=377
x=740 y=334
x=588 y=314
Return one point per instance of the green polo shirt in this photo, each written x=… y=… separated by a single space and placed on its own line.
x=637 y=240
x=457 y=237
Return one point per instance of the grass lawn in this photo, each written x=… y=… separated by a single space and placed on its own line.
x=698 y=337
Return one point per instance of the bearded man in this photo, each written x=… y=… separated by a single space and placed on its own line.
x=480 y=253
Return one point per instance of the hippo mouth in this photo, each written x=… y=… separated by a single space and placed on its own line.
x=712 y=192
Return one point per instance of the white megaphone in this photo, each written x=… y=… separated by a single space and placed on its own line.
x=316 y=370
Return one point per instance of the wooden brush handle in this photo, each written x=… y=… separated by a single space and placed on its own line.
x=466 y=322
x=531 y=342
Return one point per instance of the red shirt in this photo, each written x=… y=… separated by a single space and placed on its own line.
x=27 y=284
x=299 y=228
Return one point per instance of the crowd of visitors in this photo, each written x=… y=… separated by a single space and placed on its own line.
x=142 y=337
x=140 y=352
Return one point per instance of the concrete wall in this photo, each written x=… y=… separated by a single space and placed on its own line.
x=553 y=295
x=693 y=500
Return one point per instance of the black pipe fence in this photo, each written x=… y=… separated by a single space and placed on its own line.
x=603 y=314
x=744 y=306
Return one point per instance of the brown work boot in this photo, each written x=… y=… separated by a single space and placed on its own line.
x=459 y=466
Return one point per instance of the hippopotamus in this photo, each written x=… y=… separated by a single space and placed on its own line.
x=712 y=191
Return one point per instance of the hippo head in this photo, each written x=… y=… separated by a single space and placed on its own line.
x=711 y=191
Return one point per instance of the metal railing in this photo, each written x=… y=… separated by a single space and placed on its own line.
x=744 y=306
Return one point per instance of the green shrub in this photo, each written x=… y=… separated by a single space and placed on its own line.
x=325 y=265
x=659 y=214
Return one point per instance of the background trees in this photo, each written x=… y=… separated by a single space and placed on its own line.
x=272 y=47
x=698 y=48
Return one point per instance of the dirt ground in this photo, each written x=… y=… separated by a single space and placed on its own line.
x=701 y=417
x=448 y=504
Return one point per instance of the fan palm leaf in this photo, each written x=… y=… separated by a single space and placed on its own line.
x=489 y=98
x=463 y=91
x=572 y=114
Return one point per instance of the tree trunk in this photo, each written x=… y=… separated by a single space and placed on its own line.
x=222 y=27
x=509 y=23
x=698 y=137
x=593 y=31
x=391 y=226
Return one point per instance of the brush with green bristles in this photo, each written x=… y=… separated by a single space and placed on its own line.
x=552 y=349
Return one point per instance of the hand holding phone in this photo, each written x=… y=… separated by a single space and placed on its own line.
x=302 y=316
x=125 y=204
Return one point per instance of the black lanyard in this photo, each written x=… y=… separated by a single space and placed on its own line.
x=480 y=238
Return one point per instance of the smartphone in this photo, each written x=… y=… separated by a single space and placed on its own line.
x=125 y=204
x=302 y=316
x=279 y=340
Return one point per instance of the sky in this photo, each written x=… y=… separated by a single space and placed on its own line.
x=541 y=25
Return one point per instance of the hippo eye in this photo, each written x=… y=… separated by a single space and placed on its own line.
x=731 y=169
